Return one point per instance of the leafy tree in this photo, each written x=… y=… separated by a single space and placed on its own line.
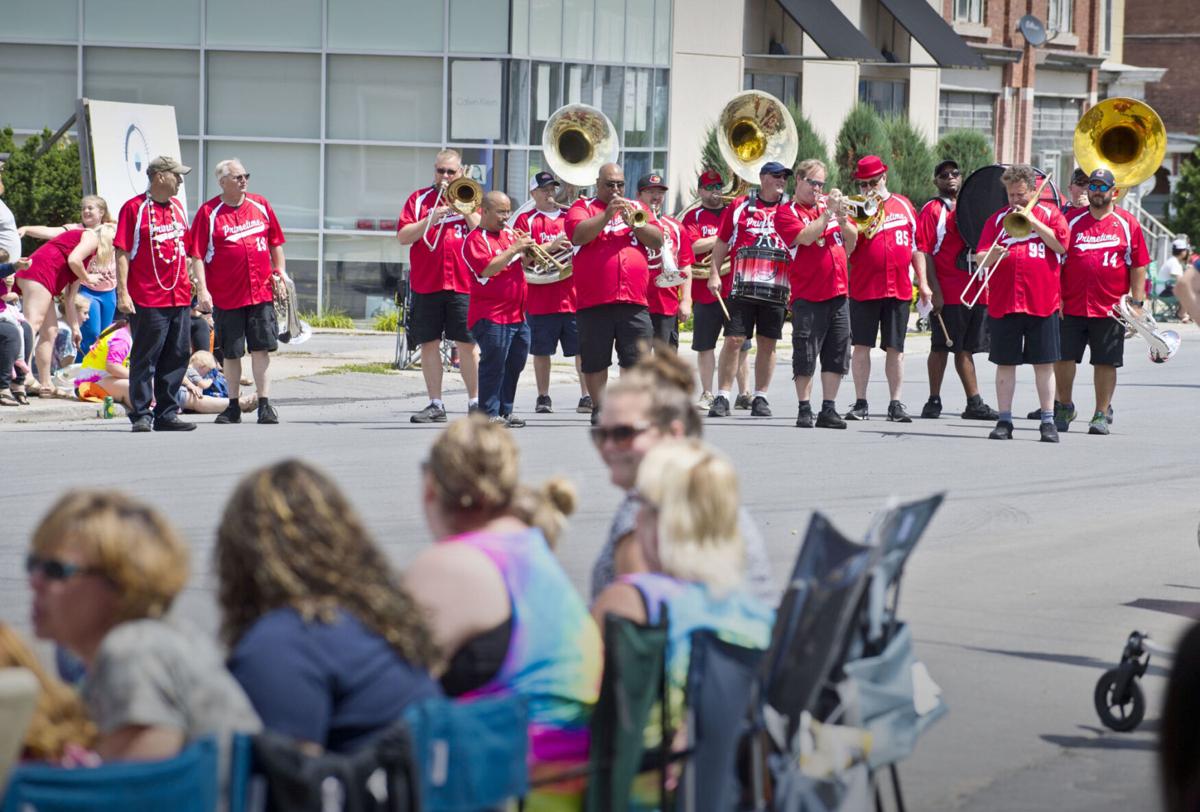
x=1185 y=200
x=862 y=134
x=811 y=145
x=42 y=190
x=970 y=149
x=910 y=167
x=710 y=157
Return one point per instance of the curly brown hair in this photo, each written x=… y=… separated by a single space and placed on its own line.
x=290 y=538
x=59 y=719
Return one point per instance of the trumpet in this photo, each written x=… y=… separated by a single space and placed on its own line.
x=464 y=196
x=1016 y=225
x=633 y=216
x=544 y=266
x=1163 y=343
x=835 y=201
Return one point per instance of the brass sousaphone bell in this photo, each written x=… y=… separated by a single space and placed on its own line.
x=577 y=140
x=1124 y=136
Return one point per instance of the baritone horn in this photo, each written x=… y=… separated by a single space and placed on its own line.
x=1124 y=136
x=544 y=267
x=1163 y=343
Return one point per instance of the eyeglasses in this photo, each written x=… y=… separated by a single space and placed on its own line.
x=619 y=435
x=54 y=570
x=615 y=184
x=816 y=184
x=949 y=173
x=240 y=178
x=869 y=184
x=442 y=171
x=1098 y=187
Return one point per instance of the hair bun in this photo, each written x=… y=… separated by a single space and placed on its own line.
x=669 y=369
x=560 y=492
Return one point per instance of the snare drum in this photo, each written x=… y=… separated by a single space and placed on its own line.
x=760 y=275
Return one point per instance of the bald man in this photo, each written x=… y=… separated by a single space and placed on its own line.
x=496 y=313
x=611 y=274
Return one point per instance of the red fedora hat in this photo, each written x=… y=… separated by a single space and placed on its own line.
x=869 y=167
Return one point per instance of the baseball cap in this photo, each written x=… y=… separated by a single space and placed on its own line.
x=937 y=170
x=165 y=163
x=1180 y=244
x=774 y=168
x=709 y=177
x=1102 y=176
x=651 y=181
x=1079 y=177
x=542 y=179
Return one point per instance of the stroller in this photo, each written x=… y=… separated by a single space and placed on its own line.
x=1118 y=696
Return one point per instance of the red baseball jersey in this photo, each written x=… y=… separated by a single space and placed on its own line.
x=48 y=264
x=879 y=266
x=1095 y=271
x=665 y=301
x=1025 y=281
x=155 y=237
x=818 y=270
x=558 y=297
x=499 y=298
x=698 y=224
x=235 y=243
x=938 y=236
x=438 y=268
x=613 y=266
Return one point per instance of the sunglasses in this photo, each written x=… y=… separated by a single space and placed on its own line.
x=240 y=177
x=816 y=184
x=712 y=187
x=869 y=184
x=438 y=171
x=949 y=173
x=619 y=435
x=1098 y=187
x=54 y=570
x=615 y=184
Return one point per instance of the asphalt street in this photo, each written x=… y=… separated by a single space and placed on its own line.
x=1041 y=561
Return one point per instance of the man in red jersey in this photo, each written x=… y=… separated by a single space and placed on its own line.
x=551 y=307
x=881 y=289
x=611 y=274
x=153 y=286
x=1106 y=259
x=238 y=239
x=439 y=282
x=820 y=313
x=1023 y=298
x=960 y=328
x=496 y=318
x=668 y=305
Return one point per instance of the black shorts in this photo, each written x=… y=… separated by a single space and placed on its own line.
x=600 y=327
x=1104 y=336
x=820 y=330
x=747 y=315
x=1020 y=338
x=967 y=327
x=250 y=328
x=548 y=330
x=666 y=328
x=707 y=321
x=883 y=319
x=435 y=315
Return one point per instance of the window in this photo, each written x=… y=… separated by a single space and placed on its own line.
x=886 y=97
x=366 y=186
x=387 y=25
x=545 y=28
x=257 y=95
x=55 y=20
x=1061 y=16
x=301 y=254
x=639 y=32
x=611 y=91
x=969 y=11
x=384 y=98
x=1053 y=139
x=785 y=87
x=662 y=32
x=479 y=26
x=662 y=92
x=285 y=174
x=578 y=89
x=189 y=153
x=546 y=93
x=238 y=23
x=967 y=111
x=610 y=30
x=577 y=29
x=39 y=86
x=362 y=274
x=636 y=113
x=147 y=76
x=167 y=22
x=477 y=100
x=1108 y=25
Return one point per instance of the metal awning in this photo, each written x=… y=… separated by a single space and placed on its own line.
x=829 y=28
x=933 y=33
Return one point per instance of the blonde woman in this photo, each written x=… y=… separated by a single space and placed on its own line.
x=60 y=730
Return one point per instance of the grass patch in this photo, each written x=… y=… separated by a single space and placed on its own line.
x=373 y=368
x=387 y=322
x=332 y=319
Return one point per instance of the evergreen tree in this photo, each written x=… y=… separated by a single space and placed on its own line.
x=910 y=169
x=968 y=148
x=1185 y=200
x=45 y=190
x=862 y=134
x=811 y=145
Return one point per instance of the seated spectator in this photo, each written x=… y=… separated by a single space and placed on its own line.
x=105 y=368
x=13 y=365
x=104 y=569
x=503 y=612
x=204 y=390
x=326 y=642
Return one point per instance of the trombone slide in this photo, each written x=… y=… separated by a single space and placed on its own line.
x=436 y=202
x=982 y=274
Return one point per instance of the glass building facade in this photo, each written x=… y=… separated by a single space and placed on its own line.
x=337 y=107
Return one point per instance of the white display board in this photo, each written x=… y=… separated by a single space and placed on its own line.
x=124 y=138
x=475 y=100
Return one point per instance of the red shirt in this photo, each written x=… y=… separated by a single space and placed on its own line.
x=818 y=271
x=1095 y=270
x=439 y=268
x=235 y=244
x=154 y=235
x=48 y=264
x=938 y=236
x=1025 y=281
x=558 y=297
x=612 y=267
x=698 y=224
x=665 y=301
x=879 y=265
x=500 y=298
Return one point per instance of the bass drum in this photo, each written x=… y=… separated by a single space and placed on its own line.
x=982 y=195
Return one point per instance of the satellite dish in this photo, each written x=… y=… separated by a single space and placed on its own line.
x=1032 y=29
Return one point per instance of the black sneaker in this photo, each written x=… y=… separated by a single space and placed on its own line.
x=514 y=422
x=981 y=411
x=720 y=407
x=142 y=424
x=232 y=414
x=1003 y=431
x=932 y=409
x=1109 y=415
x=1049 y=433
x=858 y=411
x=173 y=424
x=1064 y=413
x=595 y=416
x=828 y=418
x=430 y=414
x=1036 y=414
x=897 y=413
x=804 y=418
x=544 y=406
x=585 y=405
x=759 y=407
x=267 y=416
x=743 y=402
x=472 y=408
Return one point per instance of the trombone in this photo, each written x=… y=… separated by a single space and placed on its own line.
x=1016 y=225
x=464 y=196
x=545 y=267
x=867 y=213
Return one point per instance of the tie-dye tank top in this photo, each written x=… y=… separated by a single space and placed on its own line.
x=554 y=657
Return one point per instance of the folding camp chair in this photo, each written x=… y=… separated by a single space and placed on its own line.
x=408 y=356
x=18 y=696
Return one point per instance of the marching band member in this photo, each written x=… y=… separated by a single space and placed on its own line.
x=667 y=308
x=1024 y=298
x=611 y=274
x=551 y=307
x=1077 y=191
x=820 y=235
x=749 y=221
x=1106 y=258
x=964 y=327
x=440 y=283
x=496 y=316
x=238 y=239
x=881 y=289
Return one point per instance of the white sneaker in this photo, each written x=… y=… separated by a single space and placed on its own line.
x=705 y=402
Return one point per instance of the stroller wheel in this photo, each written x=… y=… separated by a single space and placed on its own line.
x=1119 y=713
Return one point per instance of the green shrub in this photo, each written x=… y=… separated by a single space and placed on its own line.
x=811 y=145
x=329 y=320
x=862 y=134
x=45 y=190
x=387 y=321
x=1185 y=200
x=968 y=148
x=910 y=167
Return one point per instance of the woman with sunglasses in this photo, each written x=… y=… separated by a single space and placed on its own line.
x=104 y=570
x=650 y=404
